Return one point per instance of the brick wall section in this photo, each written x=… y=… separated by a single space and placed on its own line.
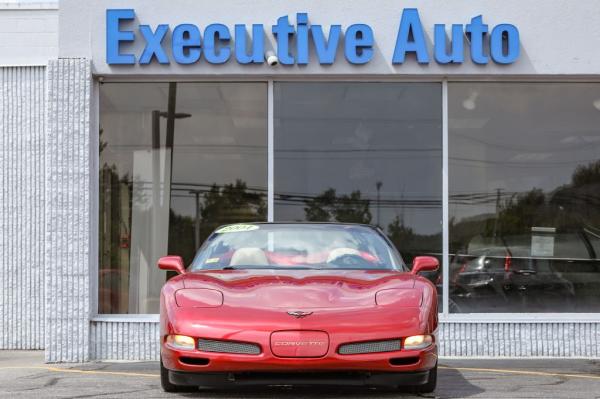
x=22 y=143
x=68 y=244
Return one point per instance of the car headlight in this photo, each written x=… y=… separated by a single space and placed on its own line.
x=417 y=342
x=198 y=298
x=182 y=342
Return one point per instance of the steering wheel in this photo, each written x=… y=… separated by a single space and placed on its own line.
x=349 y=260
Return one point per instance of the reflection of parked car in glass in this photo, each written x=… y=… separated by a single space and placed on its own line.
x=547 y=272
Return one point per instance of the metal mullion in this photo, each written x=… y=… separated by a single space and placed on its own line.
x=270 y=154
x=445 y=203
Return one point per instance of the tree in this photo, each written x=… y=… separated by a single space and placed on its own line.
x=569 y=208
x=328 y=207
x=231 y=203
x=586 y=174
x=411 y=244
x=519 y=213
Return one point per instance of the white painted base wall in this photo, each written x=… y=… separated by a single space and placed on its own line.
x=123 y=340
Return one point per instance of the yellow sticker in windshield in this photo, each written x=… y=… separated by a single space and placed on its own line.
x=212 y=260
x=236 y=228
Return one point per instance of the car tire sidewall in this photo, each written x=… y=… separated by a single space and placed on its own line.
x=431 y=383
x=167 y=386
x=164 y=379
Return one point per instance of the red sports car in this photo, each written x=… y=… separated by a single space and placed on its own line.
x=298 y=304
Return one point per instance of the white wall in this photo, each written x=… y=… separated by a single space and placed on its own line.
x=28 y=33
x=557 y=36
x=22 y=199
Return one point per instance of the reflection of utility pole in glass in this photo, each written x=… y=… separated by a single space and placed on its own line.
x=162 y=181
x=197 y=219
x=378 y=185
x=150 y=212
x=170 y=115
x=498 y=193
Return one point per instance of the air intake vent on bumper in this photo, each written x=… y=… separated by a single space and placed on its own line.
x=209 y=345
x=356 y=348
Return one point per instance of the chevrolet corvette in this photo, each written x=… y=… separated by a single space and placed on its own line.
x=298 y=304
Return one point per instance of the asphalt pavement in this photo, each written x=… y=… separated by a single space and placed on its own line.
x=24 y=375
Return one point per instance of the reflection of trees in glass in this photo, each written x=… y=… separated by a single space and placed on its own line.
x=580 y=200
x=353 y=208
x=519 y=213
x=181 y=236
x=114 y=225
x=411 y=244
x=586 y=174
x=230 y=203
x=570 y=207
x=328 y=207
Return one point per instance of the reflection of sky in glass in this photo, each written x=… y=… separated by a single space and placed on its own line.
x=349 y=136
x=514 y=137
x=221 y=139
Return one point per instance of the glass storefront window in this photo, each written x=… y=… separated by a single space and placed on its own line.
x=524 y=186
x=362 y=152
x=176 y=161
x=179 y=159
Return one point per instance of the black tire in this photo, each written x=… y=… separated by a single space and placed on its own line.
x=431 y=383
x=166 y=384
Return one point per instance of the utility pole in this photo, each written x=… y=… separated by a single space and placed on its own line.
x=196 y=219
x=378 y=185
x=498 y=193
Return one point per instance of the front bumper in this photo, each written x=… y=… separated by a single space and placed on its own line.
x=196 y=361
x=352 y=378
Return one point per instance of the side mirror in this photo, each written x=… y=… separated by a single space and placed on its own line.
x=174 y=263
x=424 y=264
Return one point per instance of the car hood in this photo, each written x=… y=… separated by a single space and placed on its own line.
x=299 y=288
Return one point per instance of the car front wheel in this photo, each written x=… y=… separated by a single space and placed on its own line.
x=431 y=383
x=167 y=386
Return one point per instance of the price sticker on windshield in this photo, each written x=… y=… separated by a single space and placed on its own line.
x=237 y=228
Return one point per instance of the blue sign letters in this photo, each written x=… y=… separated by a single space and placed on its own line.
x=115 y=36
x=295 y=42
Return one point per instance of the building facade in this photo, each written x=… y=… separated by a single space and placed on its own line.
x=469 y=131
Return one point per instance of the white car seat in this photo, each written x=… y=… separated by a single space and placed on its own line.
x=249 y=257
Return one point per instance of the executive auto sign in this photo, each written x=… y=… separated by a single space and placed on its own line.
x=217 y=43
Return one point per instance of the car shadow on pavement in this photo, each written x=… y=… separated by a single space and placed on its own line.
x=451 y=384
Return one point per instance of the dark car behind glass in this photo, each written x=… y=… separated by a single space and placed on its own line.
x=560 y=274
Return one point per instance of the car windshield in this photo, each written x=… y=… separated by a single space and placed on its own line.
x=297 y=246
